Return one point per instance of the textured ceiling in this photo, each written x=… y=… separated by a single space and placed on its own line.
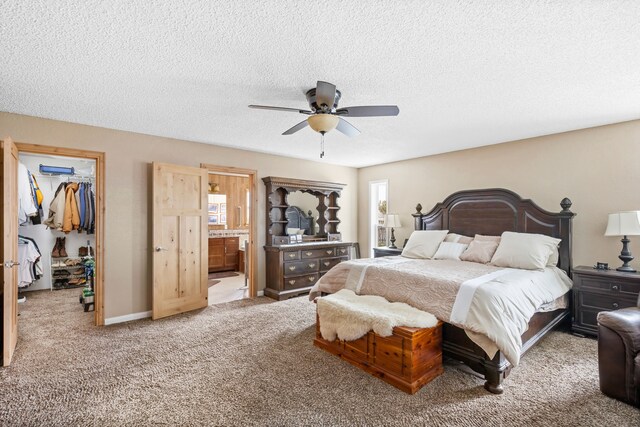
x=464 y=73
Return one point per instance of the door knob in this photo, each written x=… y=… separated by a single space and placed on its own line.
x=9 y=264
x=160 y=248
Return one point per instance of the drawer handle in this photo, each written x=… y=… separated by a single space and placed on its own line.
x=292 y=282
x=312 y=265
x=615 y=305
x=308 y=253
x=292 y=255
x=312 y=278
x=329 y=252
x=614 y=287
x=326 y=263
x=292 y=268
x=343 y=251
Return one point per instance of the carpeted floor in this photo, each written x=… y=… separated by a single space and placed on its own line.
x=252 y=363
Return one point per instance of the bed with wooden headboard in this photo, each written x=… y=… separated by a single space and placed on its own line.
x=491 y=212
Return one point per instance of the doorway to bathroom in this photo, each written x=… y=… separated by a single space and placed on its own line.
x=231 y=226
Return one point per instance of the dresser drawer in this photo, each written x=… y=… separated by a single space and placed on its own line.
x=299 y=281
x=290 y=255
x=342 y=251
x=612 y=287
x=297 y=268
x=328 y=263
x=317 y=253
x=604 y=302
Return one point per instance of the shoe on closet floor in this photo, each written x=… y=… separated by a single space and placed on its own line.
x=61 y=248
x=60 y=274
x=55 y=253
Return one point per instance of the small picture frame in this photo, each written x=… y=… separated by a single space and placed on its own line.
x=223 y=218
x=223 y=209
x=213 y=208
x=213 y=219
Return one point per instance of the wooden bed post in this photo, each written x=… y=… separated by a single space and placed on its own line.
x=417 y=221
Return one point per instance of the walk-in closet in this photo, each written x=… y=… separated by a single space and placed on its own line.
x=57 y=226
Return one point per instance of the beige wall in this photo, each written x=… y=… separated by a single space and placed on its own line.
x=128 y=155
x=597 y=168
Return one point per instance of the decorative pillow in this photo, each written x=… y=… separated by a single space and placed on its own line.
x=450 y=250
x=482 y=238
x=424 y=243
x=524 y=250
x=458 y=238
x=480 y=251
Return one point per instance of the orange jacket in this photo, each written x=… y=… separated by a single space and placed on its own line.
x=71 y=217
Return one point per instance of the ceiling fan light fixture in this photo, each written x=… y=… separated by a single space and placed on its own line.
x=323 y=122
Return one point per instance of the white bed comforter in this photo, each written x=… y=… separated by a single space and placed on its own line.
x=493 y=305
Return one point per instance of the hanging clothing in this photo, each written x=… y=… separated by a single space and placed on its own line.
x=26 y=205
x=91 y=222
x=37 y=269
x=56 y=209
x=80 y=205
x=71 y=219
x=37 y=199
x=28 y=255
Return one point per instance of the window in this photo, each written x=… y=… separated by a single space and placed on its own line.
x=378 y=207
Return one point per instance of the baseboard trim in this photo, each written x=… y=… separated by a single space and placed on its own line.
x=260 y=293
x=127 y=318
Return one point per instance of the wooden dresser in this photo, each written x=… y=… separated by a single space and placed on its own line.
x=293 y=269
x=600 y=290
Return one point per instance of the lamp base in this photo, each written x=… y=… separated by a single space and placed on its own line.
x=393 y=241
x=626 y=257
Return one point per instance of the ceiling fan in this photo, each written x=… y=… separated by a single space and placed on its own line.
x=324 y=114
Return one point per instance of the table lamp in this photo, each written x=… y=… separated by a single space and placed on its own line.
x=624 y=224
x=392 y=221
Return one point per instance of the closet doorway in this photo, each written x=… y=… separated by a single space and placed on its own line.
x=71 y=262
x=232 y=229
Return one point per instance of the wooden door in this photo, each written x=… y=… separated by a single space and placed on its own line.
x=179 y=239
x=9 y=255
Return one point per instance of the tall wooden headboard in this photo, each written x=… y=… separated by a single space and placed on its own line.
x=495 y=210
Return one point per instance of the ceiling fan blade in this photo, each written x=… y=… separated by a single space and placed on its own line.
x=268 y=107
x=325 y=94
x=369 y=111
x=347 y=128
x=303 y=124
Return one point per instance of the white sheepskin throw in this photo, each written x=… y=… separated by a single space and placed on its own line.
x=349 y=316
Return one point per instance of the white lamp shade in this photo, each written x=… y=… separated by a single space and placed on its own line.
x=623 y=224
x=323 y=122
x=392 y=221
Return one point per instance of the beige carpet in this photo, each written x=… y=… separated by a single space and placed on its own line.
x=252 y=363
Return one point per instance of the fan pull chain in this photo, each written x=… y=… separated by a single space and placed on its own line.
x=322 y=144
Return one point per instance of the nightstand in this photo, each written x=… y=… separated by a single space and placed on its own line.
x=600 y=290
x=386 y=251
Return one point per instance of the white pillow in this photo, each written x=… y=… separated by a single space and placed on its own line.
x=458 y=238
x=450 y=250
x=554 y=257
x=524 y=250
x=424 y=243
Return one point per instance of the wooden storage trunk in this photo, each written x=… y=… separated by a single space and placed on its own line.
x=408 y=359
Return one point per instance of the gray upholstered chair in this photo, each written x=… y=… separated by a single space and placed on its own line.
x=619 y=353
